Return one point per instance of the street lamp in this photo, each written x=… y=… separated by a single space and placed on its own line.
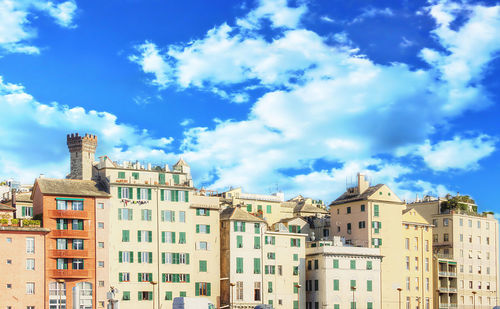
x=298 y=286
x=353 y=289
x=232 y=284
x=474 y=298
x=153 y=283
x=60 y=282
x=399 y=292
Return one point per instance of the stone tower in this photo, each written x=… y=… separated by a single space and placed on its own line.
x=82 y=151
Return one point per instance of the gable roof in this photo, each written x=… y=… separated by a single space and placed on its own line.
x=181 y=162
x=237 y=214
x=72 y=187
x=310 y=208
x=4 y=207
x=348 y=197
x=412 y=215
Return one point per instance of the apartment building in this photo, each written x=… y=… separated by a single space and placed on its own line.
x=445 y=279
x=470 y=239
x=164 y=232
x=260 y=264
x=264 y=206
x=372 y=216
x=23 y=204
x=75 y=273
x=22 y=266
x=340 y=276
x=418 y=289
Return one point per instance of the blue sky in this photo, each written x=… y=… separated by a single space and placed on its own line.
x=294 y=95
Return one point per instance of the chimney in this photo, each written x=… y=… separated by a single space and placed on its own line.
x=362 y=183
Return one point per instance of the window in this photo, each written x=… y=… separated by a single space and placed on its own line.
x=268 y=209
x=417 y=285
x=145 y=257
x=202 y=288
x=125 y=235
x=144 y=277
x=415 y=242
x=270 y=269
x=426 y=264
x=100 y=205
x=100 y=264
x=126 y=295
x=30 y=245
x=121 y=175
x=335 y=263
x=77 y=263
x=257 y=291
x=203 y=228
x=487 y=225
x=427 y=246
x=168 y=237
x=461 y=237
x=376 y=211
x=168 y=295
x=369 y=265
x=407 y=263
x=168 y=215
x=202 y=212
x=349 y=228
x=446 y=237
x=61 y=244
x=362 y=208
x=270 y=240
x=125 y=214
x=146 y=214
x=256 y=265
x=182 y=216
x=295 y=257
x=369 y=287
x=146 y=236
x=77 y=244
x=77 y=205
x=144 y=295
x=445 y=222
x=203 y=266
x=407 y=243
x=30 y=264
x=100 y=244
x=61 y=205
x=256 y=242
x=427 y=284
x=353 y=264
x=30 y=288
x=470 y=223
x=362 y=224
x=316 y=264
x=416 y=263
x=124 y=277
x=143 y=194
x=271 y=255
x=478 y=224
x=125 y=257
x=487 y=240
x=239 y=265
x=435 y=237
x=239 y=290
x=335 y=284
x=202 y=245
x=435 y=222
x=77 y=225
x=9 y=239
x=353 y=284
x=295 y=242
x=348 y=210
x=407 y=283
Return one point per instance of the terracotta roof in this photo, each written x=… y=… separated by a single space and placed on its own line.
x=237 y=214
x=351 y=197
x=303 y=207
x=73 y=187
x=4 y=207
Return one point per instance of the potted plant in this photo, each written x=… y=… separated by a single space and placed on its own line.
x=14 y=222
x=4 y=222
x=26 y=222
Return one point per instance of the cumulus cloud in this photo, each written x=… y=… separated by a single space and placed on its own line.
x=51 y=122
x=328 y=102
x=458 y=153
x=15 y=22
x=370 y=12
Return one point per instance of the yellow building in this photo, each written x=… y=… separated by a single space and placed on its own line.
x=470 y=239
x=417 y=291
x=260 y=265
x=372 y=216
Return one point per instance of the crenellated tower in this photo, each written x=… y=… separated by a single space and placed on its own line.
x=82 y=151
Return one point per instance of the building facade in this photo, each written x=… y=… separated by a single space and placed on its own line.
x=260 y=265
x=339 y=276
x=22 y=264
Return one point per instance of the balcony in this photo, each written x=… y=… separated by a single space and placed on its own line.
x=443 y=273
x=68 y=253
x=69 y=273
x=70 y=214
x=69 y=234
x=452 y=274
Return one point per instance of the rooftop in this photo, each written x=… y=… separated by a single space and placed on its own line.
x=71 y=187
x=352 y=195
x=237 y=214
x=4 y=207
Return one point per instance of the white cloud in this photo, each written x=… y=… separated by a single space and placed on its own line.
x=458 y=153
x=327 y=19
x=152 y=62
x=330 y=103
x=186 y=122
x=276 y=11
x=15 y=22
x=23 y=155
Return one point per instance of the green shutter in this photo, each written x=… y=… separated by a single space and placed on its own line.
x=243 y=226
x=239 y=265
x=186 y=196
x=335 y=263
x=139 y=277
x=182 y=237
x=139 y=295
x=208 y=229
x=163 y=259
x=131 y=257
x=353 y=283
x=149 y=194
x=119 y=192
x=173 y=237
x=187 y=258
x=295 y=288
x=256 y=242
x=197 y=228
x=336 y=285
x=139 y=257
x=369 y=285
x=163 y=237
x=139 y=236
x=150 y=257
x=239 y=241
x=162 y=194
x=161 y=178
x=209 y=289
x=150 y=295
x=197 y=211
x=176 y=179
x=119 y=213
x=235 y=226
x=142 y=214
x=23 y=210
x=131 y=193
x=120 y=277
x=138 y=193
x=188 y=278
x=120 y=258
x=249 y=207
x=268 y=209
x=168 y=295
x=197 y=289
x=256 y=265
x=150 y=236
x=173 y=216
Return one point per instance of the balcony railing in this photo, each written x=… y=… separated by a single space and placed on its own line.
x=70 y=253
x=452 y=274
x=70 y=214
x=443 y=273
x=69 y=234
x=69 y=273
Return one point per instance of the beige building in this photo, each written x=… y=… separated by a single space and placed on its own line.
x=339 y=276
x=418 y=290
x=372 y=216
x=22 y=266
x=470 y=239
x=260 y=265
x=164 y=231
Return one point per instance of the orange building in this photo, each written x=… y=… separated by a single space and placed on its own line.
x=21 y=266
x=68 y=208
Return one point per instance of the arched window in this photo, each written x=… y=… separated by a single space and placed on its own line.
x=84 y=296
x=57 y=295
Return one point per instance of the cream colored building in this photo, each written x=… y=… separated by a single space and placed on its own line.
x=470 y=239
x=164 y=231
x=372 y=216
x=339 y=276
x=266 y=265
x=418 y=289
